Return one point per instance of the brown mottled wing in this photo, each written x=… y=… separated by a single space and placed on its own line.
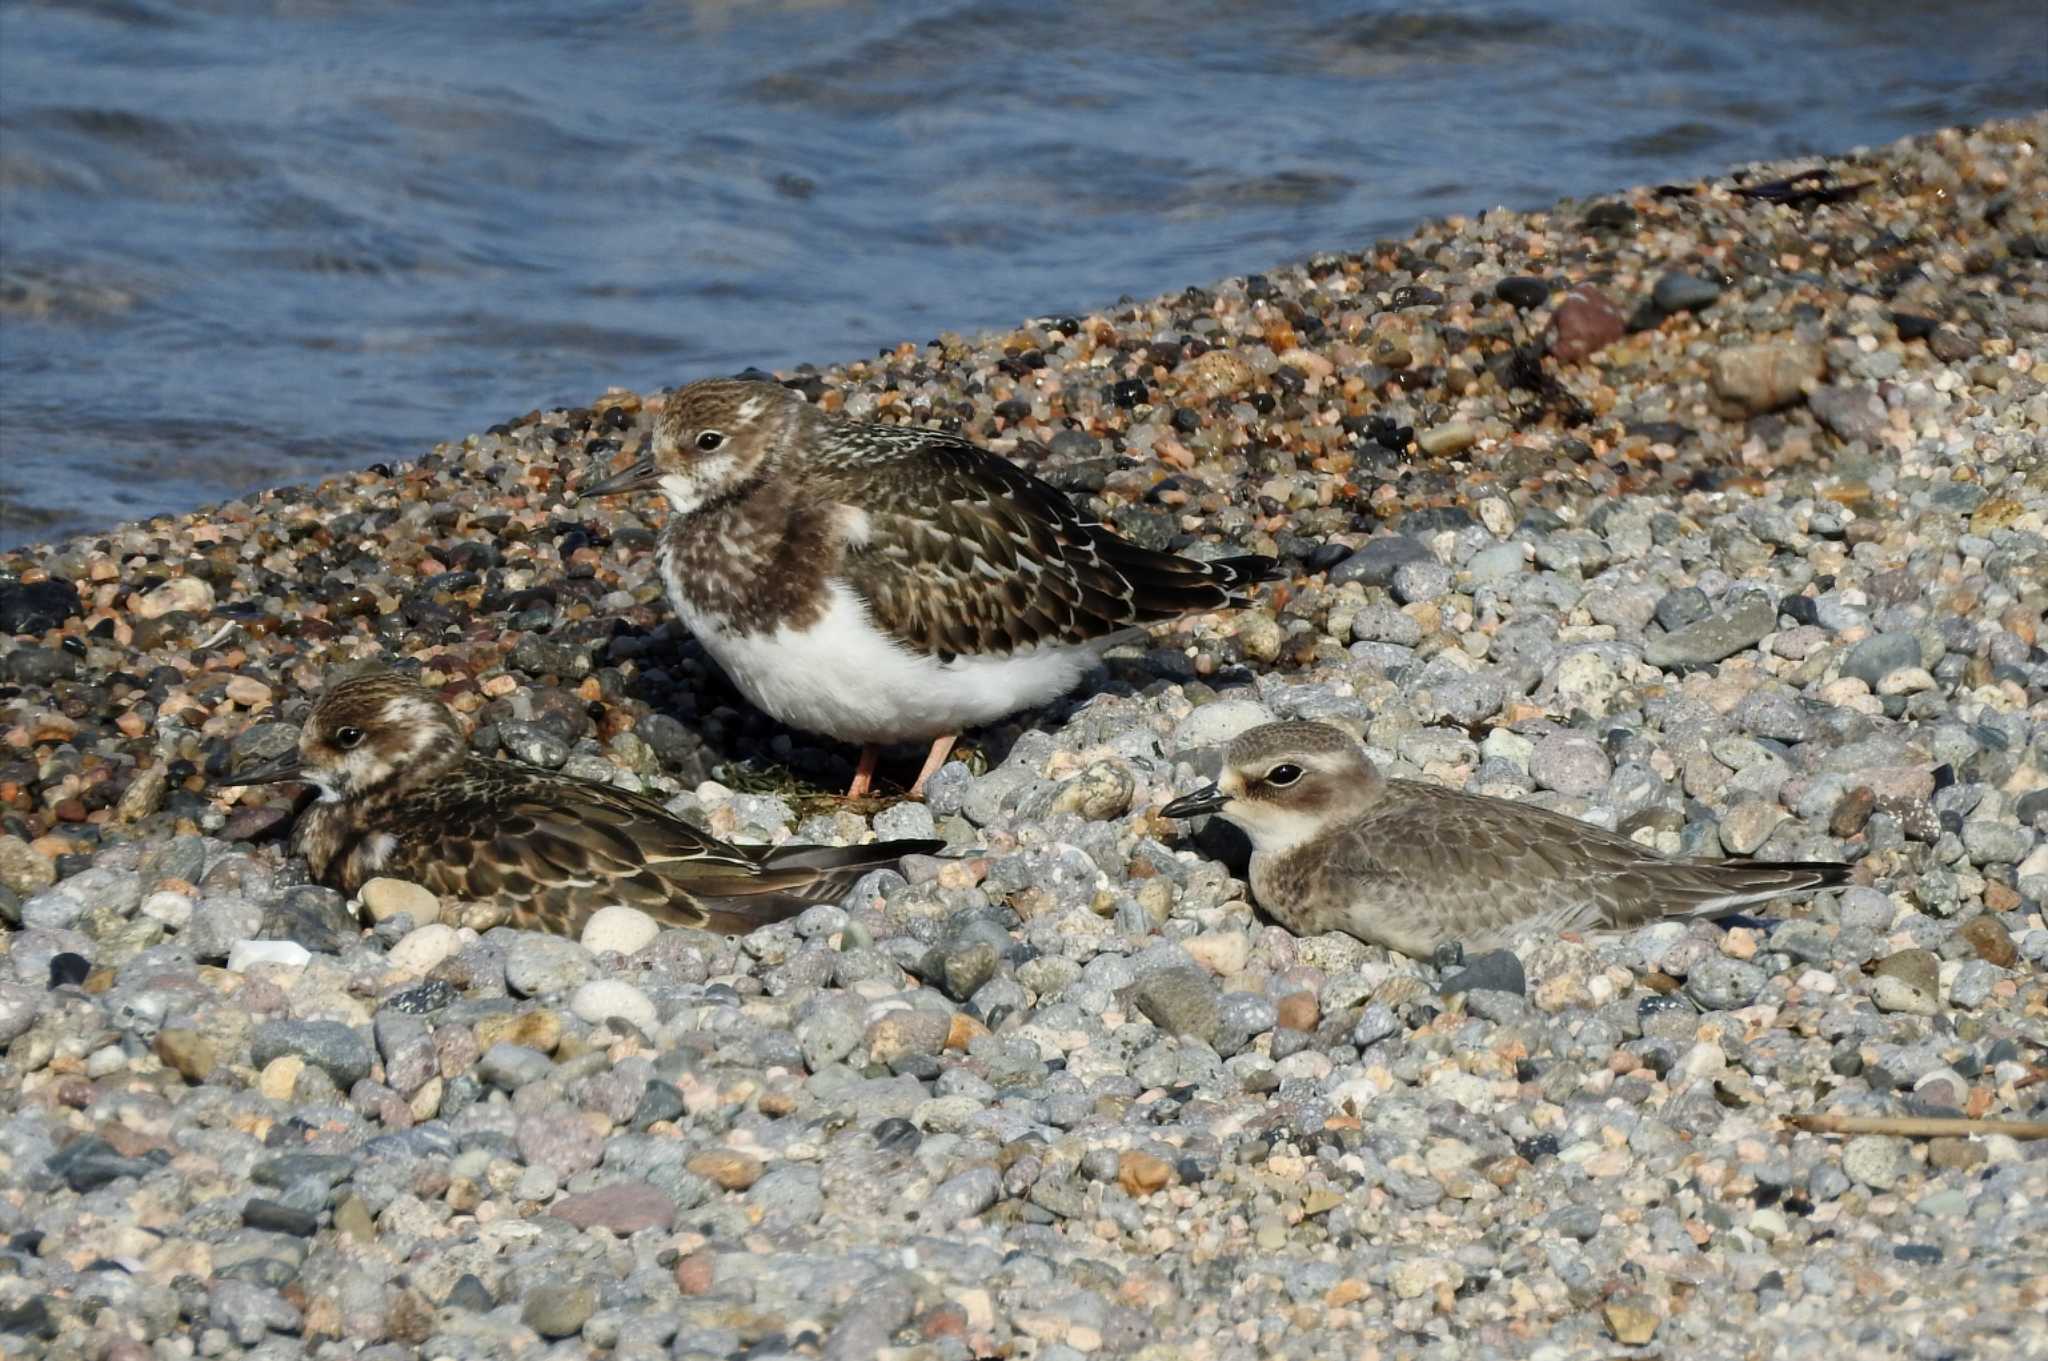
x=556 y=851
x=967 y=554
x=1474 y=869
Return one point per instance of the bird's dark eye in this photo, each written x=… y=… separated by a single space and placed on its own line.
x=1284 y=774
x=709 y=440
x=348 y=739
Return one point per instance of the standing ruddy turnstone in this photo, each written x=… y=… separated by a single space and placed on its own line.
x=881 y=583
x=1337 y=846
x=400 y=794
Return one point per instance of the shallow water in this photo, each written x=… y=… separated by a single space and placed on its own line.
x=247 y=244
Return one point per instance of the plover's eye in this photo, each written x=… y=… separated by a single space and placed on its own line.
x=1284 y=774
x=709 y=440
x=348 y=739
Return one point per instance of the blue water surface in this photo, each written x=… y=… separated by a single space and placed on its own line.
x=245 y=244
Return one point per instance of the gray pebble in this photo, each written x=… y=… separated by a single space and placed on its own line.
x=1714 y=638
x=1423 y=579
x=1376 y=563
x=508 y=1067
x=533 y=744
x=557 y=1309
x=1879 y=655
x=340 y=1051
x=1180 y=1000
x=1570 y=763
x=1676 y=292
x=1878 y=1161
x=538 y=965
x=961 y=1197
x=1724 y=984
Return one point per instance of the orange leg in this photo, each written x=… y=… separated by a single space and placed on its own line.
x=941 y=749
x=864 y=773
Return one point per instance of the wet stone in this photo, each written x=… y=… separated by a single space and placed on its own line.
x=36 y=607
x=1677 y=292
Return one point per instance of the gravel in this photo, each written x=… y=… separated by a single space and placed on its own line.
x=1759 y=572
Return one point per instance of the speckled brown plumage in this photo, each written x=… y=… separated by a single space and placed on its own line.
x=1413 y=866
x=880 y=583
x=954 y=549
x=401 y=796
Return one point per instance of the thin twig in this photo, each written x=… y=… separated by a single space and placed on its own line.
x=1917 y=1126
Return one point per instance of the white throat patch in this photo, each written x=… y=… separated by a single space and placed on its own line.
x=1274 y=831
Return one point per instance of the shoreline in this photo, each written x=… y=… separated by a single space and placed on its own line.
x=1718 y=513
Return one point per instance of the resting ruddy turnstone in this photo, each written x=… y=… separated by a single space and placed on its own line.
x=881 y=583
x=1337 y=846
x=401 y=795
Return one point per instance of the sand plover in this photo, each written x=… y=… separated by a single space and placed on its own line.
x=879 y=583
x=1337 y=846
x=401 y=795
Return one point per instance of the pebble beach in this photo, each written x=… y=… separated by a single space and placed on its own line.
x=1714 y=512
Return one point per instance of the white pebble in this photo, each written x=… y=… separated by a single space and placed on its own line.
x=601 y=999
x=622 y=930
x=247 y=954
x=423 y=948
x=172 y=909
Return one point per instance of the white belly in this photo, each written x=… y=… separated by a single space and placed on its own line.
x=846 y=679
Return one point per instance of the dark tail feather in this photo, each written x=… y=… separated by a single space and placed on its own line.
x=1737 y=885
x=847 y=863
x=793 y=878
x=1165 y=585
x=1249 y=570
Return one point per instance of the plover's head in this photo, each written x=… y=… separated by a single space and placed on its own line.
x=712 y=435
x=373 y=733
x=1284 y=783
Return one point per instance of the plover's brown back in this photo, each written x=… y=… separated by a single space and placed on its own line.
x=1431 y=866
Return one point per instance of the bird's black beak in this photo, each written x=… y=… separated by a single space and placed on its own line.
x=638 y=477
x=278 y=770
x=1210 y=800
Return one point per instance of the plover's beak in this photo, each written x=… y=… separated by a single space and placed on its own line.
x=638 y=477
x=276 y=771
x=1210 y=800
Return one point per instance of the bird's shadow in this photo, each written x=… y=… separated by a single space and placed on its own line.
x=675 y=676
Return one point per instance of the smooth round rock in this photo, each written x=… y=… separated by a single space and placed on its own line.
x=423 y=948
x=557 y=1310
x=619 y=930
x=604 y=999
x=385 y=898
